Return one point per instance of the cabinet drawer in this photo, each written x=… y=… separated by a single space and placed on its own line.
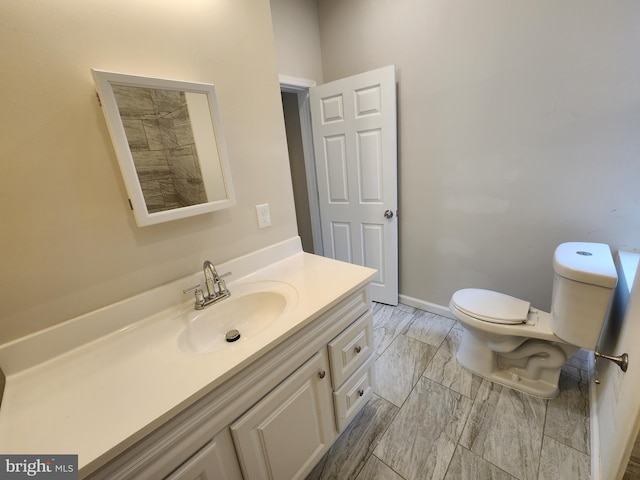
x=351 y=397
x=350 y=349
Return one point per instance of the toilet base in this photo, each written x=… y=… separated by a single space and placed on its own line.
x=533 y=367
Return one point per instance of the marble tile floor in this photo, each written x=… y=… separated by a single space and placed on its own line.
x=433 y=419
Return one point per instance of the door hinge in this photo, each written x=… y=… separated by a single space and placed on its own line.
x=130 y=204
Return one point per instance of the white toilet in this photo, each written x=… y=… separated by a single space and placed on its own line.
x=511 y=343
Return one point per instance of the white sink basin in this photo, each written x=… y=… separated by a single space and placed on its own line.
x=251 y=309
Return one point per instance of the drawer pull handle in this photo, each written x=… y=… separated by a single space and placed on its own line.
x=361 y=392
x=322 y=374
x=358 y=349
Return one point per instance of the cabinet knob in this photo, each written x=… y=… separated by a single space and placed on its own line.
x=322 y=374
x=358 y=349
x=360 y=392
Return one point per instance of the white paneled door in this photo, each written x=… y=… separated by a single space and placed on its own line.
x=355 y=146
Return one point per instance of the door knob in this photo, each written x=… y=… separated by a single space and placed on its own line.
x=388 y=214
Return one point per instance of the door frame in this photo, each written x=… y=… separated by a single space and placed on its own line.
x=300 y=87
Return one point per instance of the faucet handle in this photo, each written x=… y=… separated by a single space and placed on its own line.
x=198 y=293
x=222 y=286
x=191 y=289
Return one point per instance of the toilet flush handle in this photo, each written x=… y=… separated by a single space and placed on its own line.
x=622 y=361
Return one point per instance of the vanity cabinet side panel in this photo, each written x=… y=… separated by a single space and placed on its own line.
x=285 y=434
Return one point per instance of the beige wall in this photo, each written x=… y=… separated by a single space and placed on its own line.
x=297 y=38
x=69 y=243
x=518 y=130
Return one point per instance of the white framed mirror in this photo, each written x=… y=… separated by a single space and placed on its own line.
x=168 y=139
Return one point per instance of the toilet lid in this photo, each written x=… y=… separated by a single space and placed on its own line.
x=491 y=306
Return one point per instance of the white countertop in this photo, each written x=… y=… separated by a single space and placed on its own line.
x=103 y=395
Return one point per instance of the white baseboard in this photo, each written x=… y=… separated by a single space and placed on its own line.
x=426 y=306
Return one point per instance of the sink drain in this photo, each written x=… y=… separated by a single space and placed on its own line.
x=233 y=335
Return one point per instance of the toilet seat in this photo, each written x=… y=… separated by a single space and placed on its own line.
x=490 y=306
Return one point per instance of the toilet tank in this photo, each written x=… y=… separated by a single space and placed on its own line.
x=584 y=281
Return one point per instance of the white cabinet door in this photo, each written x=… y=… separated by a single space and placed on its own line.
x=215 y=461
x=285 y=434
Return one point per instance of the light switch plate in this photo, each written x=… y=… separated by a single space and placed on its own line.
x=264 y=216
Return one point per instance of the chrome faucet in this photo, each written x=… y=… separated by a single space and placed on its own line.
x=216 y=287
x=210 y=275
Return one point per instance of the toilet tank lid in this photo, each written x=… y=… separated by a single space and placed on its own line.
x=589 y=263
x=491 y=306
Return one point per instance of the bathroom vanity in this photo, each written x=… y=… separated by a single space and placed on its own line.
x=138 y=399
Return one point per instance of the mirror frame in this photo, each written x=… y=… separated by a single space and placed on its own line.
x=104 y=81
